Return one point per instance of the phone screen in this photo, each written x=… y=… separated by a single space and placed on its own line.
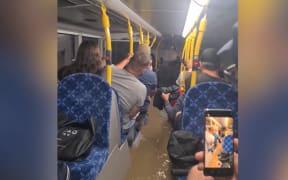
x=218 y=140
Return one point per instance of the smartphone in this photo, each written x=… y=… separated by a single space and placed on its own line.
x=219 y=146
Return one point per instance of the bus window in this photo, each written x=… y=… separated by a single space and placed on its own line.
x=66 y=49
x=84 y=38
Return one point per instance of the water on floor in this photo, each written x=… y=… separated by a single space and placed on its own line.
x=149 y=160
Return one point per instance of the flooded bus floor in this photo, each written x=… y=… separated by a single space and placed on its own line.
x=149 y=159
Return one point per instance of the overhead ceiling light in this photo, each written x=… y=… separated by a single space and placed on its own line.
x=194 y=11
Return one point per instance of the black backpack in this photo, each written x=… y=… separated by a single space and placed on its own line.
x=63 y=172
x=74 y=139
x=182 y=146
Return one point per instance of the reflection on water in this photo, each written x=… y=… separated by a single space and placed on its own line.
x=149 y=161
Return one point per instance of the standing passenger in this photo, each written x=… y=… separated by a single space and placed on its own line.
x=88 y=60
x=149 y=79
x=131 y=91
x=209 y=67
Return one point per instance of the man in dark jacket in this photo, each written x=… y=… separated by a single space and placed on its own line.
x=209 y=71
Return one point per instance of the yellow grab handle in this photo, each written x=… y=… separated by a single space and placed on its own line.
x=192 y=44
x=201 y=30
x=106 y=26
x=141 y=40
x=131 y=42
x=153 y=41
x=108 y=53
x=147 y=40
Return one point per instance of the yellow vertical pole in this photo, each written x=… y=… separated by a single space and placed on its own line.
x=147 y=39
x=183 y=71
x=201 y=30
x=153 y=41
x=156 y=55
x=141 y=40
x=191 y=47
x=130 y=33
x=192 y=44
x=183 y=55
x=108 y=54
x=183 y=50
x=187 y=48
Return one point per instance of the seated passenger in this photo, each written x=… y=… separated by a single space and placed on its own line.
x=188 y=68
x=131 y=91
x=88 y=60
x=149 y=79
x=209 y=68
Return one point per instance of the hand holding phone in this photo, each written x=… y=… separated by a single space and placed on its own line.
x=196 y=172
x=218 y=143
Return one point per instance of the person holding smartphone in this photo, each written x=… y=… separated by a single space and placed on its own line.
x=196 y=172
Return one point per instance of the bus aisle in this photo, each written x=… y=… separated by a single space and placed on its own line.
x=149 y=160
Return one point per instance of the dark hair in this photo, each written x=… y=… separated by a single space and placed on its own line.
x=209 y=59
x=87 y=61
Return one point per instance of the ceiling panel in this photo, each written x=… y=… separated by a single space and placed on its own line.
x=167 y=16
x=221 y=16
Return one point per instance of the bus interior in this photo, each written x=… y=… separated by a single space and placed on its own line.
x=177 y=32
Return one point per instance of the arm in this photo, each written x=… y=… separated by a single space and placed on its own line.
x=170 y=110
x=173 y=110
x=124 y=62
x=196 y=171
x=133 y=112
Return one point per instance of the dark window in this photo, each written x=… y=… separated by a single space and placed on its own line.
x=89 y=39
x=66 y=49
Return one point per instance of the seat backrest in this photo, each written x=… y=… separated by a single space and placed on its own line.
x=116 y=122
x=217 y=95
x=227 y=144
x=120 y=116
x=84 y=95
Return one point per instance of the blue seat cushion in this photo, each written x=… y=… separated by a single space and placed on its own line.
x=228 y=144
x=207 y=95
x=82 y=96
x=89 y=167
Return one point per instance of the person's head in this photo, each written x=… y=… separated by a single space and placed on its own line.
x=150 y=65
x=209 y=60
x=140 y=61
x=211 y=129
x=89 y=59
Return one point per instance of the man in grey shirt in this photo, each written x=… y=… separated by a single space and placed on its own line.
x=131 y=91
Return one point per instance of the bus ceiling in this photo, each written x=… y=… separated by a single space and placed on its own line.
x=159 y=17
x=87 y=14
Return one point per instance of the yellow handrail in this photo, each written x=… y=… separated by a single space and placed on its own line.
x=141 y=40
x=201 y=30
x=153 y=41
x=147 y=39
x=130 y=33
x=185 y=54
x=192 y=44
x=184 y=49
x=108 y=53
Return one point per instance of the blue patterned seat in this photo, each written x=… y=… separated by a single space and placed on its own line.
x=207 y=95
x=122 y=134
x=228 y=144
x=81 y=96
